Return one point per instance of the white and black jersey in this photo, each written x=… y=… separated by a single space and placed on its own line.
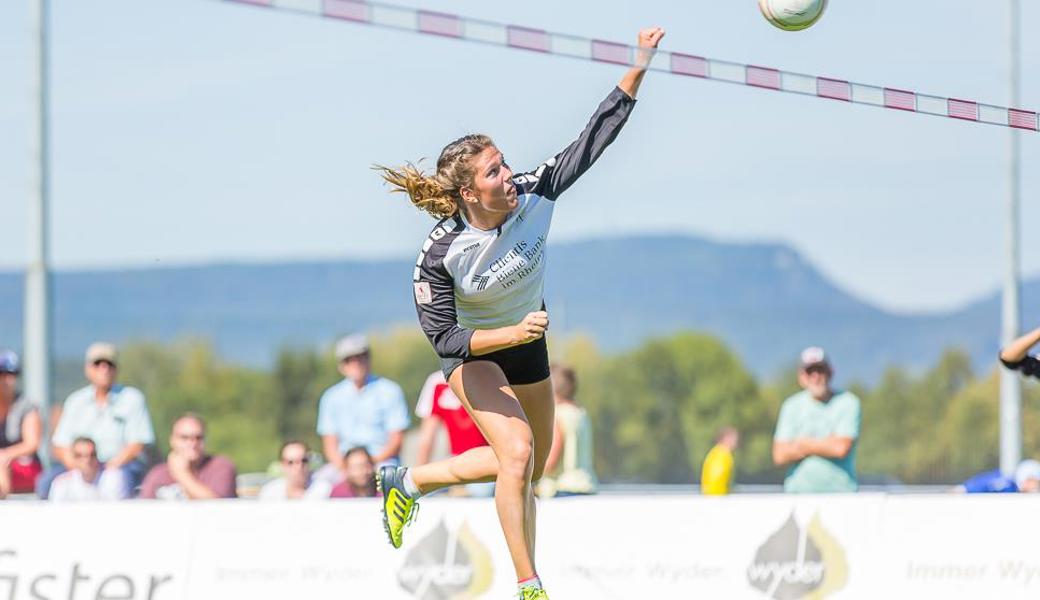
x=467 y=278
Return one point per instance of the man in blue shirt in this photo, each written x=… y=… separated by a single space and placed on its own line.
x=114 y=416
x=362 y=410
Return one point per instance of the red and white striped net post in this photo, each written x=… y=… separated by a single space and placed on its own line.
x=537 y=40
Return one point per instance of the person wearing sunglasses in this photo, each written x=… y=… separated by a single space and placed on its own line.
x=189 y=473
x=296 y=482
x=817 y=431
x=113 y=415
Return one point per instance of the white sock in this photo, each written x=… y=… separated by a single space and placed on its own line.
x=409 y=485
x=533 y=583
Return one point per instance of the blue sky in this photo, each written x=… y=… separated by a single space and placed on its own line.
x=191 y=131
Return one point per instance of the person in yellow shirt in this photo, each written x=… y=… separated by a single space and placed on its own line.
x=717 y=471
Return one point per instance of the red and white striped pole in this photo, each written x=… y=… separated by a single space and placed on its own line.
x=559 y=44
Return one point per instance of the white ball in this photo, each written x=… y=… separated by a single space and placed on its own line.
x=792 y=15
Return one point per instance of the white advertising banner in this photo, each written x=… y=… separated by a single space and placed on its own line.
x=779 y=547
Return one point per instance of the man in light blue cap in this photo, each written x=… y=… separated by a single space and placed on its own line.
x=362 y=410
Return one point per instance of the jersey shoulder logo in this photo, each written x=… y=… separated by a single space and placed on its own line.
x=423 y=294
x=533 y=178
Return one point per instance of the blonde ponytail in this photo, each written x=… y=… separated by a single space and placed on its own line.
x=425 y=192
x=439 y=194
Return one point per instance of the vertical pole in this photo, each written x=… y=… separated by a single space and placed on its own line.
x=1010 y=385
x=37 y=349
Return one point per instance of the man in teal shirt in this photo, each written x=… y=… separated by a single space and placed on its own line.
x=817 y=431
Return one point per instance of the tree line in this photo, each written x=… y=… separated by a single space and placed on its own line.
x=655 y=408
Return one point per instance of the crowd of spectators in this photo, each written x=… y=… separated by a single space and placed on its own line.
x=103 y=436
x=102 y=439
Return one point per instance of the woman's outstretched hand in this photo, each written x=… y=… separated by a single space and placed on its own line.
x=649 y=38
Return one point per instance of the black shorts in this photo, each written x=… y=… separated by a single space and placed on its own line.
x=522 y=365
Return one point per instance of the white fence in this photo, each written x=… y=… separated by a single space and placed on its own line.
x=783 y=547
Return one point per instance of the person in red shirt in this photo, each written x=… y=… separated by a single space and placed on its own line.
x=439 y=407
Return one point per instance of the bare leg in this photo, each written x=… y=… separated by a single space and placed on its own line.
x=537 y=401
x=487 y=396
x=472 y=466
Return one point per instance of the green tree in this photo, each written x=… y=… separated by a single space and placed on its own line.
x=238 y=404
x=662 y=404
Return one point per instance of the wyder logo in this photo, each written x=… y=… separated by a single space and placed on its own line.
x=447 y=565
x=796 y=563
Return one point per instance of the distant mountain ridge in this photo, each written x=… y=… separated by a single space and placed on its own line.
x=765 y=300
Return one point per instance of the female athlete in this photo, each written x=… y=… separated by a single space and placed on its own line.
x=478 y=291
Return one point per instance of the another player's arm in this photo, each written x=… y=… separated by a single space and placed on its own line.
x=1018 y=350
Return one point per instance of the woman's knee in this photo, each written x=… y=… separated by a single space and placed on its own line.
x=515 y=456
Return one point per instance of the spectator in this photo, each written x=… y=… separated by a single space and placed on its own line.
x=568 y=469
x=717 y=471
x=439 y=407
x=362 y=410
x=1026 y=479
x=817 y=431
x=189 y=473
x=87 y=480
x=1016 y=355
x=20 y=431
x=296 y=482
x=114 y=416
x=359 y=475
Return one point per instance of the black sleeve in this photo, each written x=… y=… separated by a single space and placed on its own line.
x=557 y=174
x=435 y=300
x=1029 y=365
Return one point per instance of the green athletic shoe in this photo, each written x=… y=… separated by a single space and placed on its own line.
x=532 y=594
x=399 y=509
